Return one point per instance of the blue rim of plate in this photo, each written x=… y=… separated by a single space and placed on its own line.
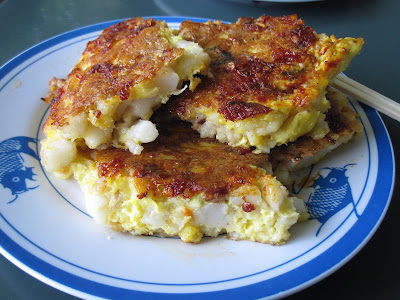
x=301 y=277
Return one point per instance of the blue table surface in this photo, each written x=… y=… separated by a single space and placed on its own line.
x=371 y=274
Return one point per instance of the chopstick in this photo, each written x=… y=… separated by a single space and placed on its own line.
x=367 y=96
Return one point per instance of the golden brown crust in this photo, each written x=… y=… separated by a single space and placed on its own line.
x=259 y=65
x=124 y=55
x=179 y=162
x=54 y=85
x=343 y=123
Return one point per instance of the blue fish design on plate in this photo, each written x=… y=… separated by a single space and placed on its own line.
x=331 y=194
x=13 y=171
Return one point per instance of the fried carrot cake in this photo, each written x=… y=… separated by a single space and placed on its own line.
x=269 y=80
x=267 y=88
x=187 y=186
x=109 y=96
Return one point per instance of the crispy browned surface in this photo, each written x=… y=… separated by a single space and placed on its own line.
x=54 y=85
x=260 y=65
x=180 y=162
x=124 y=55
x=305 y=147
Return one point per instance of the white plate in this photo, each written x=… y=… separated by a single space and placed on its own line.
x=46 y=231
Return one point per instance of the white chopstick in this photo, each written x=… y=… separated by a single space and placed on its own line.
x=367 y=96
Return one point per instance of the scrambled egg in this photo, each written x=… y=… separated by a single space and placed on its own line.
x=263 y=131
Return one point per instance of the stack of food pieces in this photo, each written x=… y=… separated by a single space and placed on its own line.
x=253 y=85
